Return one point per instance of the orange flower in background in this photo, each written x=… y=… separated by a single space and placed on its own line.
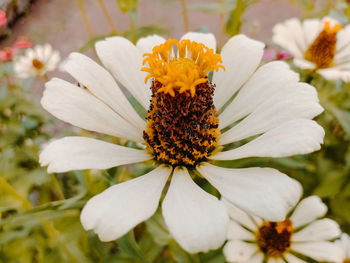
x=3 y=19
x=23 y=42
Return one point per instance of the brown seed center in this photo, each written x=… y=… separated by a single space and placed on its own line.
x=346 y=260
x=322 y=51
x=274 y=238
x=37 y=64
x=182 y=129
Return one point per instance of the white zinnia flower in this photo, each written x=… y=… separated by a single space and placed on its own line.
x=322 y=45
x=36 y=61
x=302 y=234
x=344 y=244
x=182 y=131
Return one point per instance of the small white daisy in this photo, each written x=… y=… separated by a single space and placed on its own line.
x=322 y=45
x=344 y=244
x=300 y=235
x=36 y=61
x=183 y=131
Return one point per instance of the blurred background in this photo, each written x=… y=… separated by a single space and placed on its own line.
x=40 y=212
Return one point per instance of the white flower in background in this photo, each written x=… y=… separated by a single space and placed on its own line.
x=344 y=244
x=183 y=130
x=300 y=235
x=322 y=45
x=36 y=61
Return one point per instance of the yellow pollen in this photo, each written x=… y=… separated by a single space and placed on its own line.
x=185 y=70
x=322 y=51
x=37 y=64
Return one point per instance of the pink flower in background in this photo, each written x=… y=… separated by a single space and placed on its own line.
x=23 y=42
x=7 y=54
x=3 y=19
x=283 y=55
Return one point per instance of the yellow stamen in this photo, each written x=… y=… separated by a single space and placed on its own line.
x=184 y=71
x=322 y=51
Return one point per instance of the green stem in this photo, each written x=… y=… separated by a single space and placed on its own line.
x=57 y=187
x=185 y=15
x=83 y=13
x=107 y=16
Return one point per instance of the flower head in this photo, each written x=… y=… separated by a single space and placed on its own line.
x=317 y=44
x=191 y=121
x=301 y=234
x=36 y=62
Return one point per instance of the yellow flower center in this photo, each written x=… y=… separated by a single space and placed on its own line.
x=183 y=70
x=322 y=51
x=346 y=260
x=274 y=238
x=37 y=64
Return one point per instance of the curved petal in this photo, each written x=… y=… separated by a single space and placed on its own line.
x=264 y=192
x=78 y=107
x=296 y=102
x=250 y=222
x=308 y=210
x=303 y=64
x=197 y=220
x=146 y=44
x=335 y=73
x=124 y=61
x=275 y=260
x=79 y=153
x=324 y=229
x=121 y=207
x=237 y=232
x=289 y=36
x=266 y=82
x=101 y=84
x=293 y=259
x=320 y=251
x=344 y=244
x=311 y=28
x=239 y=251
x=300 y=136
x=208 y=39
x=240 y=56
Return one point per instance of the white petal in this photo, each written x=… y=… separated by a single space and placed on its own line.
x=295 y=102
x=146 y=44
x=79 y=153
x=321 y=251
x=102 y=85
x=242 y=217
x=275 y=260
x=303 y=64
x=121 y=207
x=239 y=251
x=343 y=40
x=266 y=81
x=308 y=210
x=124 y=61
x=235 y=231
x=344 y=244
x=335 y=73
x=264 y=192
x=257 y=258
x=324 y=229
x=197 y=220
x=293 y=259
x=300 y=136
x=78 y=107
x=208 y=39
x=240 y=56
x=311 y=28
x=286 y=36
